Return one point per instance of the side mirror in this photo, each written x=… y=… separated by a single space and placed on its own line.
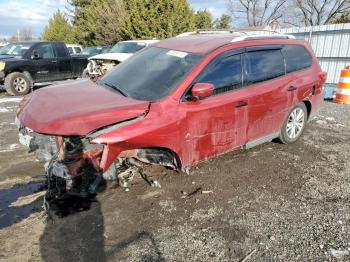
x=35 y=55
x=202 y=90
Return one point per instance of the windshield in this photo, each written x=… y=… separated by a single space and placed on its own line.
x=151 y=74
x=92 y=50
x=127 y=47
x=16 y=49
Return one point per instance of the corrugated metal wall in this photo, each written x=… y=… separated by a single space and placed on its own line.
x=331 y=44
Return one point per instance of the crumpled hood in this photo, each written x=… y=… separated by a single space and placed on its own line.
x=121 y=57
x=76 y=108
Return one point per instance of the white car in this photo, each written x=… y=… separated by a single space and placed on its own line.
x=74 y=49
x=102 y=63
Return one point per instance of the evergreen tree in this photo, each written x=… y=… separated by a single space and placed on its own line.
x=224 y=22
x=344 y=18
x=58 y=28
x=203 y=19
x=97 y=22
x=148 y=19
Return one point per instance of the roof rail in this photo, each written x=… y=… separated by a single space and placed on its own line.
x=261 y=37
x=242 y=34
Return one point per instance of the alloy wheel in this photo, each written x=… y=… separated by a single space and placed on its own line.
x=295 y=124
x=20 y=84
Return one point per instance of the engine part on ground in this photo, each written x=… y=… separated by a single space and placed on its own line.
x=125 y=177
x=149 y=180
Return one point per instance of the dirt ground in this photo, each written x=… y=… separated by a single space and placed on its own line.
x=271 y=203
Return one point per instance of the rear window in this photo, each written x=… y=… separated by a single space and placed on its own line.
x=263 y=65
x=296 y=57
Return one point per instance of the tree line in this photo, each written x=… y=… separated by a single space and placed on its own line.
x=104 y=22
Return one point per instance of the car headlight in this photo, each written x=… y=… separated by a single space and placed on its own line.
x=2 y=65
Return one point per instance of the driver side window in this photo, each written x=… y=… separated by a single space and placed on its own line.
x=45 y=51
x=224 y=72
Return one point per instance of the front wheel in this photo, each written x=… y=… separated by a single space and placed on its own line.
x=294 y=125
x=85 y=74
x=17 y=84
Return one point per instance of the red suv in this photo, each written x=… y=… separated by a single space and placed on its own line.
x=179 y=102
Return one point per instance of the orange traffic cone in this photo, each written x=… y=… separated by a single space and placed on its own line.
x=342 y=95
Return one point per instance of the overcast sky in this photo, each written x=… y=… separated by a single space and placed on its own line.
x=15 y=14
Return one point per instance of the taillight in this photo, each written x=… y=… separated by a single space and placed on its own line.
x=322 y=76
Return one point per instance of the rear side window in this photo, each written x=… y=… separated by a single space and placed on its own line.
x=225 y=73
x=77 y=50
x=296 y=57
x=263 y=65
x=61 y=50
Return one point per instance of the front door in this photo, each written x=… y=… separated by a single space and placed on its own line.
x=45 y=64
x=218 y=124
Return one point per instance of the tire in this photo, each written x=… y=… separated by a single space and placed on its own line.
x=294 y=125
x=85 y=74
x=17 y=84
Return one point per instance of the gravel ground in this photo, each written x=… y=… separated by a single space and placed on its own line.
x=271 y=203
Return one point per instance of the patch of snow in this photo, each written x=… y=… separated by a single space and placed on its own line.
x=11 y=99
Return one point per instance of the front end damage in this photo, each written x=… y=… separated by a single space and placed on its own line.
x=99 y=67
x=72 y=164
x=77 y=167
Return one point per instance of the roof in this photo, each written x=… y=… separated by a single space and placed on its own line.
x=199 y=43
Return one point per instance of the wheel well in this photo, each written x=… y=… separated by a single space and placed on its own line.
x=308 y=107
x=155 y=155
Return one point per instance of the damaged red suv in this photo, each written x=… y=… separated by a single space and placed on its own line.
x=179 y=102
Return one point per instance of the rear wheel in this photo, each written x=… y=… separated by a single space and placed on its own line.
x=17 y=84
x=294 y=125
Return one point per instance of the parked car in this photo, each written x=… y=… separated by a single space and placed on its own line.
x=23 y=64
x=74 y=49
x=102 y=63
x=95 y=50
x=182 y=101
x=2 y=44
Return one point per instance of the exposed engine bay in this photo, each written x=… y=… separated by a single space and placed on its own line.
x=100 y=67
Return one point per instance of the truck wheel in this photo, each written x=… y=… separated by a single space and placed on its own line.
x=85 y=73
x=294 y=125
x=17 y=84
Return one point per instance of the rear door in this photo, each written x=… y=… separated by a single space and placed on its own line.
x=64 y=67
x=303 y=82
x=45 y=65
x=218 y=123
x=265 y=79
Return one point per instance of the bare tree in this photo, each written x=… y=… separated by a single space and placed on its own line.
x=257 y=12
x=25 y=34
x=319 y=12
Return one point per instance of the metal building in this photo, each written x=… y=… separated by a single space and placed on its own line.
x=331 y=44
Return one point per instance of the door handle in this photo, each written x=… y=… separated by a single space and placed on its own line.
x=54 y=61
x=292 y=88
x=241 y=104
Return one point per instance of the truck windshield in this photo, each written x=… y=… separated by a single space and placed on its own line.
x=127 y=47
x=151 y=74
x=15 y=49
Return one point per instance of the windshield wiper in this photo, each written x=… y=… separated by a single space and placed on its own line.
x=115 y=88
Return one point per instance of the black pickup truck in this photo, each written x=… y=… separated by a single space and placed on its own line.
x=23 y=64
